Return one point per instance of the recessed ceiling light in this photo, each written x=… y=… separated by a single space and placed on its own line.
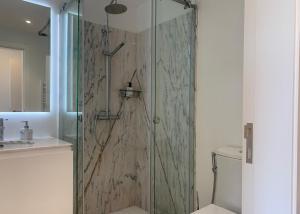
x=28 y=21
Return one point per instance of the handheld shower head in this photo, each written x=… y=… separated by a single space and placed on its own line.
x=112 y=53
x=115 y=8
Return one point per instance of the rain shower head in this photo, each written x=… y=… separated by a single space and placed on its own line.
x=115 y=8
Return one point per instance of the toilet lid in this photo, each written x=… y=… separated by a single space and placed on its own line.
x=213 y=209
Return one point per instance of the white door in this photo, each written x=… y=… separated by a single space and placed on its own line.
x=269 y=72
x=5 y=89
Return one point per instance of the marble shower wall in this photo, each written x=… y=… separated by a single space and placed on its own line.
x=174 y=106
x=116 y=153
x=116 y=162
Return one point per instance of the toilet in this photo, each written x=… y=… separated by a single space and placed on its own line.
x=229 y=182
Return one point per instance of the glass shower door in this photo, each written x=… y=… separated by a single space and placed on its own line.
x=70 y=115
x=173 y=108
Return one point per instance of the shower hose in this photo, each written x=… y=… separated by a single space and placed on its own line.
x=214 y=170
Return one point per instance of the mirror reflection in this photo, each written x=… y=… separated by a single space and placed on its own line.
x=74 y=80
x=24 y=57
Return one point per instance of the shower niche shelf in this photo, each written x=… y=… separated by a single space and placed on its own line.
x=130 y=93
x=103 y=115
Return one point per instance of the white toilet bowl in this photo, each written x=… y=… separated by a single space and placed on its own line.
x=213 y=209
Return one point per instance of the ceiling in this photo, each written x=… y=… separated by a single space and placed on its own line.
x=136 y=11
x=13 y=14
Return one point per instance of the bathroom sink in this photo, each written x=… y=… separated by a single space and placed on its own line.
x=15 y=142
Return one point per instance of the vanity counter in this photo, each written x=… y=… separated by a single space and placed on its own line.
x=41 y=144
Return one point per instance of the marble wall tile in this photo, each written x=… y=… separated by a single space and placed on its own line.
x=144 y=121
x=174 y=97
x=115 y=152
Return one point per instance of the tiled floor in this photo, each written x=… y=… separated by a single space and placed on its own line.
x=131 y=210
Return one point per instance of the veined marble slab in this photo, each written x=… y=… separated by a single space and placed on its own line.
x=174 y=106
x=116 y=163
x=116 y=158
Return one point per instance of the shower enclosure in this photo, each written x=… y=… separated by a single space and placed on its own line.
x=71 y=89
x=128 y=104
x=172 y=151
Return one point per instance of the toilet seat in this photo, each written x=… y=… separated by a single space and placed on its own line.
x=213 y=209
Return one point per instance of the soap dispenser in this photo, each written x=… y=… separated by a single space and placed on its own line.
x=26 y=133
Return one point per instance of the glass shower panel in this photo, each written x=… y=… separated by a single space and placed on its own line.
x=173 y=104
x=70 y=122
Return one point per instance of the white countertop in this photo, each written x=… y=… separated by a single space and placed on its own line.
x=38 y=144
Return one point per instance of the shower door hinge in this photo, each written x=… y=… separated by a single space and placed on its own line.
x=248 y=135
x=156 y=120
x=79 y=117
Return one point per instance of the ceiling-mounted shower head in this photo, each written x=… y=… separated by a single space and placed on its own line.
x=115 y=8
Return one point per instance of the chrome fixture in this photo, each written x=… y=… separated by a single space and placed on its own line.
x=2 y=128
x=130 y=93
x=107 y=115
x=248 y=135
x=115 y=8
x=187 y=4
x=112 y=53
x=103 y=115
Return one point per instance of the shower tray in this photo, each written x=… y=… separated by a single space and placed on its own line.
x=131 y=210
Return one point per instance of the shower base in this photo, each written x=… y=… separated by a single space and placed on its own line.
x=131 y=210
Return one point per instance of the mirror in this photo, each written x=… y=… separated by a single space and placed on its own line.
x=24 y=57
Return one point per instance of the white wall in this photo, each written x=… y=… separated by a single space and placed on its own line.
x=44 y=123
x=138 y=16
x=219 y=85
x=296 y=147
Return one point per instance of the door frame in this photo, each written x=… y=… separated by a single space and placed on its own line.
x=296 y=148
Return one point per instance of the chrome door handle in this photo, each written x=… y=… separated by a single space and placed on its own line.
x=248 y=135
